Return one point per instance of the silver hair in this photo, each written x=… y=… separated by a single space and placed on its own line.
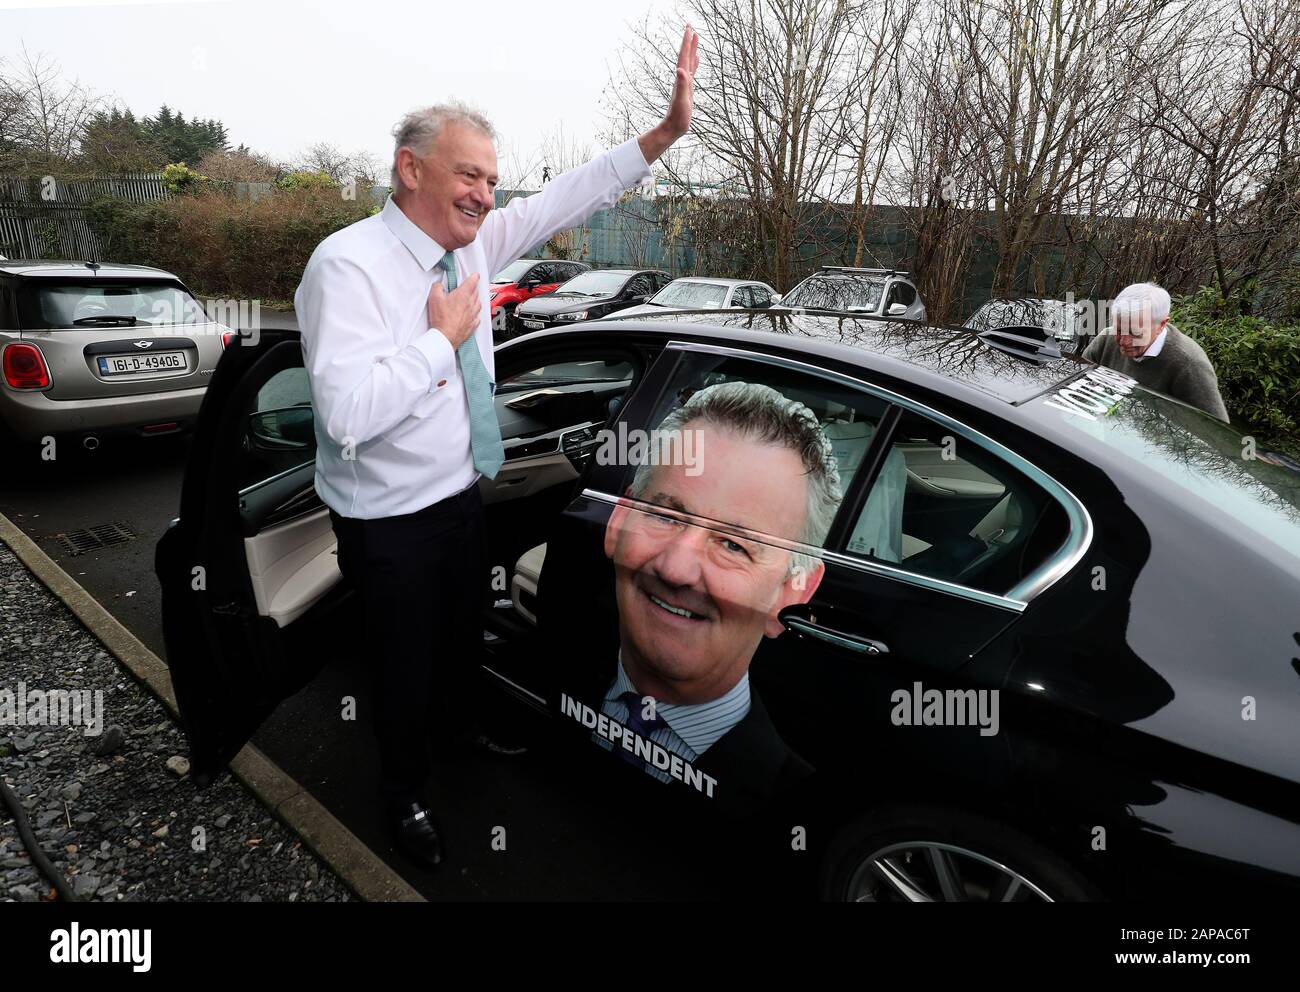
x=760 y=413
x=417 y=129
x=1142 y=298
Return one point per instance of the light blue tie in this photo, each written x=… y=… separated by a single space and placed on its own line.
x=484 y=431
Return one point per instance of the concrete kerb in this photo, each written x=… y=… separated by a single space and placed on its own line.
x=363 y=871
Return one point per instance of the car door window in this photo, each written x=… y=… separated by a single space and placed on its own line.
x=279 y=427
x=639 y=286
x=742 y=297
x=761 y=297
x=944 y=507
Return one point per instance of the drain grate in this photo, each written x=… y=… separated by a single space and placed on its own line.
x=78 y=542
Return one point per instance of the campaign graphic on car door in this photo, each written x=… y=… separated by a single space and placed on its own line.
x=763 y=558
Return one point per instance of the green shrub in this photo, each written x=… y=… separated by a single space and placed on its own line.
x=226 y=247
x=1258 y=364
x=181 y=180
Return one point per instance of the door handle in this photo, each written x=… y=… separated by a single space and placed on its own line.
x=851 y=642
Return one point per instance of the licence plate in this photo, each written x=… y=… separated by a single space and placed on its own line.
x=165 y=361
x=532 y=325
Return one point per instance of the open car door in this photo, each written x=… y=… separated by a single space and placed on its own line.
x=251 y=590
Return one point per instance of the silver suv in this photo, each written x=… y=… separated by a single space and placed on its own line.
x=89 y=349
x=871 y=292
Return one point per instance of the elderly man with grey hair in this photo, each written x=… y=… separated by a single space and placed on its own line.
x=1144 y=346
x=397 y=344
x=704 y=563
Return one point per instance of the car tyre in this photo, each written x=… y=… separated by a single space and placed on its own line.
x=931 y=854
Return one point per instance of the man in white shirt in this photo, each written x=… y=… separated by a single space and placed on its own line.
x=397 y=342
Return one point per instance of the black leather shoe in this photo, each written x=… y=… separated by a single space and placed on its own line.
x=415 y=835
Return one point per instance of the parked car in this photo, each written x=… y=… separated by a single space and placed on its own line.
x=701 y=293
x=1048 y=652
x=591 y=295
x=92 y=349
x=881 y=292
x=522 y=280
x=1064 y=322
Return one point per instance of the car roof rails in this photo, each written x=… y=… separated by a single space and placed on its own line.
x=874 y=272
x=1033 y=344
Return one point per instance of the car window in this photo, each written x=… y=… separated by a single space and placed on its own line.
x=512 y=272
x=595 y=283
x=687 y=294
x=544 y=273
x=742 y=297
x=46 y=304
x=836 y=293
x=903 y=293
x=761 y=296
x=279 y=427
x=640 y=286
x=834 y=425
x=945 y=507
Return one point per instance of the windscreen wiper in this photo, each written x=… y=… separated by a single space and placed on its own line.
x=112 y=319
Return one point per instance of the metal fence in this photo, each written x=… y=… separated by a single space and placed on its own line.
x=44 y=217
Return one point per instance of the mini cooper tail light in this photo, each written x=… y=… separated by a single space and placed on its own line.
x=226 y=337
x=24 y=367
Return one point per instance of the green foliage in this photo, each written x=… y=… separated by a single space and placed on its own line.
x=225 y=247
x=182 y=180
x=307 y=180
x=180 y=140
x=1258 y=364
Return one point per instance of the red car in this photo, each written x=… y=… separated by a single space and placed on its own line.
x=522 y=280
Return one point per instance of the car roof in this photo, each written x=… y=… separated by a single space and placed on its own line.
x=50 y=268
x=720 y=282
x=946 y=359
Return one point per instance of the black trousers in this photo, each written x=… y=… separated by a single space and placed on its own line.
x=419 y=578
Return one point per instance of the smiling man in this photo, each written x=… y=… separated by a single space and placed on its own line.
x=695 y=601
x=397 y=342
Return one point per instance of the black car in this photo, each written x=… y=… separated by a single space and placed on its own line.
x=590 y=296
x=1045 y=647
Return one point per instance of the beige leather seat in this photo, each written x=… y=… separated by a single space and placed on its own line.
x=523 y=585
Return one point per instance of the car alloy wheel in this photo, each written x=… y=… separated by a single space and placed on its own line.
x=925 y=871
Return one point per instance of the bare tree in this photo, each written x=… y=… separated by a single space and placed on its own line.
x=342 y=167
x=774 y=78
x=44 y=113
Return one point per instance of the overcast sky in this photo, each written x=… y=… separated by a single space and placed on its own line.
x=282 y=74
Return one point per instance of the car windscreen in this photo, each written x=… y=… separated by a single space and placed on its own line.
x=687 y=295
x=835 y=294
x=514 y=271
x=594 y=284
x=1255 y=486
x=45 y=304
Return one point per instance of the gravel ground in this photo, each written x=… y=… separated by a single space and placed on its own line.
x=116 y=812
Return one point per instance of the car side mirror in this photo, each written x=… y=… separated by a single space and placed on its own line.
x=286 y=429
x=532 y=283
x=896 y=309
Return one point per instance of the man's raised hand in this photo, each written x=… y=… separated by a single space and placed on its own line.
x=677 y=121
x=682 y=103
x=455 y=314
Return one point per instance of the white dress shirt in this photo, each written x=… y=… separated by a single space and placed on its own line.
x=1155 y=347
x=392 y=418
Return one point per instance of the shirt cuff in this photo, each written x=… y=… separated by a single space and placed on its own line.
x=629 y=164
x=438 y=354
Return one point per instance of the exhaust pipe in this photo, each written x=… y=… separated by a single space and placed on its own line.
x=90 y=442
